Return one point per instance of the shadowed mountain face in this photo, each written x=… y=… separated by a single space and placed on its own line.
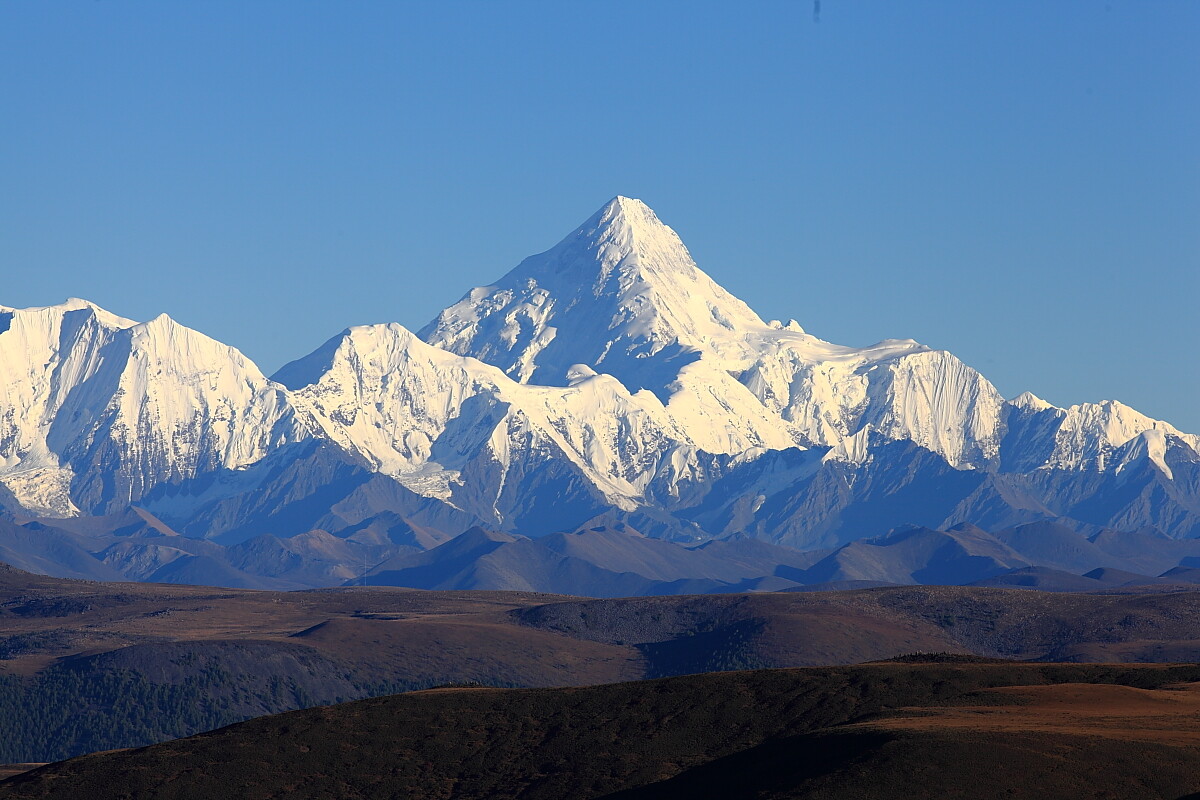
x=965 y=554
x=609 y=559
x=617 y=561
x=606 y=381
x=875 y=731
x=598 y=562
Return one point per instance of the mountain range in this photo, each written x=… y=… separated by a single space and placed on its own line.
x=604 y=388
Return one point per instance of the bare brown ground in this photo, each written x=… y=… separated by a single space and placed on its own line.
x=385 y=632
x=1169 y=716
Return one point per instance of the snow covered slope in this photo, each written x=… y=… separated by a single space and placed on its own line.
x=607 y=377
x=454 y=428
x=622 y=295
x=95 y=409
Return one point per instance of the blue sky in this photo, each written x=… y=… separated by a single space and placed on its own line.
x=1017 y=182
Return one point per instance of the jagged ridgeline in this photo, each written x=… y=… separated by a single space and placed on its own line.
x=605 y=382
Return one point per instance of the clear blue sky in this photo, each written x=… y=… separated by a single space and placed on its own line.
x=1017 y=182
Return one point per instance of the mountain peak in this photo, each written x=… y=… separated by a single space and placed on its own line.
x=626 y=216
x=618 y=289
x=1028 y=401
x=624 y=236
x=622 y=204
x=106 y=318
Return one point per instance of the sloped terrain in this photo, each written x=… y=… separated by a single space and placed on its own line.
x=86 y=666
x=602 y=559
x=606 y=381
x=597 y=562
x=91 y=666
x=881 y=731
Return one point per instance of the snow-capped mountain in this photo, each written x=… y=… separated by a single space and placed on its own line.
x=96 y=410
x=622 y=295
x=457 y=429
x=608 y=377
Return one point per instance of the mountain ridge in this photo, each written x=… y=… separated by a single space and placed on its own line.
x=608 y=375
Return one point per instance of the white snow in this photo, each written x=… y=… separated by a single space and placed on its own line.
x=622 y=295
x=422 y=415
x=83 y=391
x=1028 y=401
x=1091 y=432
x=611 y=353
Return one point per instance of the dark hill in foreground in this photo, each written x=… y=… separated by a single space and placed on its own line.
x=94 y=666
x=894 y=730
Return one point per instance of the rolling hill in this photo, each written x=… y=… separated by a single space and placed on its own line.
x=889 y=730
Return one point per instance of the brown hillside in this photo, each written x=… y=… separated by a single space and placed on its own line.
x=874 y=731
